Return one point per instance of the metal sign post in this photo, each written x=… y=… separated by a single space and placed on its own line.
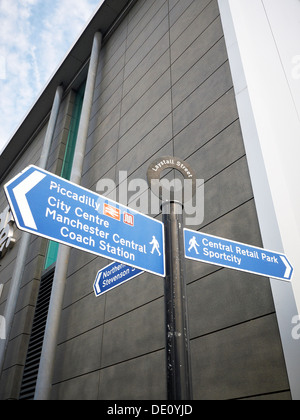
x=177 y=331
x=179 y=383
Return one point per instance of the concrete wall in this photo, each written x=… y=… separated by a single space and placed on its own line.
x=19 y=338
x=11 y=377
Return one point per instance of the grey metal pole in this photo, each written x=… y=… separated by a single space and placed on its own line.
x=44 y=380
x=51 y=127
x=86 y=110
x=26 y=237
x=179 y=384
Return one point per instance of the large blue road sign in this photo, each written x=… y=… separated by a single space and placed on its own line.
x=49 y=206
x=219 y=251
x=112 y=276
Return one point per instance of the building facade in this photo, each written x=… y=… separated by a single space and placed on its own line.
x=165 y=83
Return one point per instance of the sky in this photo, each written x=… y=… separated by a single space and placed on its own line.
x=35 y=36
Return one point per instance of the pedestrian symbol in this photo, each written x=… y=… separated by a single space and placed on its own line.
x=155 y=244
x=193 y=245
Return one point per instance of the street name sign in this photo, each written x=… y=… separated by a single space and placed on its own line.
x=51 y=207
x=238 y=256
x=112 y=276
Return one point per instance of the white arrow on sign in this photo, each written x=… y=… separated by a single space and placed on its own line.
x=97 y=283
x=288 y=267
x=20 y=192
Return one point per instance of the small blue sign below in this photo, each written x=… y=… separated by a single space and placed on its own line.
x=112 y=276
x=238 y=256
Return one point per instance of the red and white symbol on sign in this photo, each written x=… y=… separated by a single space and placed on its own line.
x=128 y=219
x=112 y=212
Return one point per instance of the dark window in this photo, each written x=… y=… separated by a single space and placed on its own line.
x=36 y=339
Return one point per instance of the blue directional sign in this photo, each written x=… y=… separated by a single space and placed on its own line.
x=214 y=250
x=49 y=206
x=112 y=276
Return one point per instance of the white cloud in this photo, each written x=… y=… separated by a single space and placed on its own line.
x=35 y=35
x=15 y=86
x=2 y=64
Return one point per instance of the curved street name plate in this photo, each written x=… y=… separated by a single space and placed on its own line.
x=168 y=162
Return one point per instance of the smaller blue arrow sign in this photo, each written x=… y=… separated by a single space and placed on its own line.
x=238 y=256
x=112 y=276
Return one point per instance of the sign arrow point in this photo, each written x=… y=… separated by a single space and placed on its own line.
x=97 y=283
x=288 y=267
x=20 y=192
